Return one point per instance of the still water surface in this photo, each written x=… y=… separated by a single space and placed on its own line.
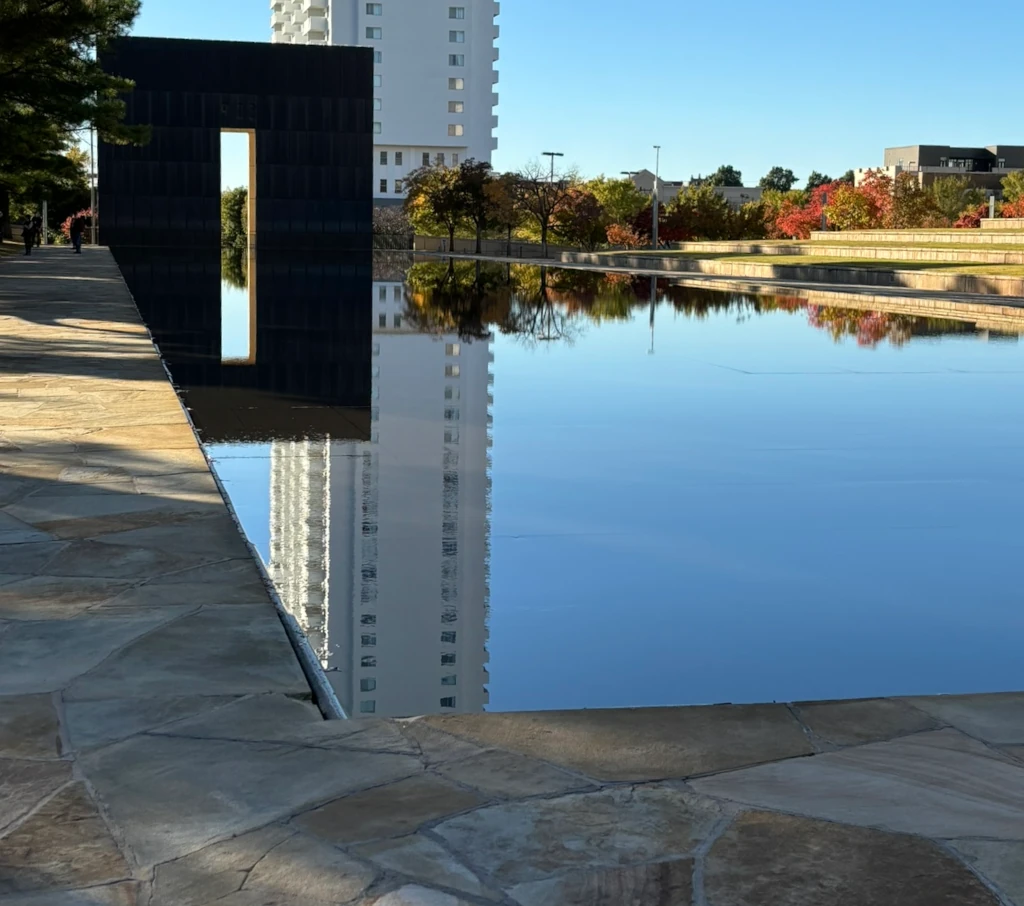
x=560 y=496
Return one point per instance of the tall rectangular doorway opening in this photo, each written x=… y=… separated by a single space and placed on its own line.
x=238 y=247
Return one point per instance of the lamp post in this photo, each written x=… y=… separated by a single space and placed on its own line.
x=92 y=184
x=552 y=155
x=654 y=204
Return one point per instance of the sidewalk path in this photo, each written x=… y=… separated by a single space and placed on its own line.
x=157 y=745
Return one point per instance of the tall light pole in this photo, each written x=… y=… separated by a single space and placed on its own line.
x=654 y=204
x=552 y=155
x=92 y=183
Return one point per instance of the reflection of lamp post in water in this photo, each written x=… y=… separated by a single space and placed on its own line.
x=654 y=299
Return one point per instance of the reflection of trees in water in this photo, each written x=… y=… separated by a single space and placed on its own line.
x=539 y=304
x=234 y=267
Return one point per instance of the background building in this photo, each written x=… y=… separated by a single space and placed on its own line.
x=737 y=196
x=380 y=549
x=434 y=75
x=984 y=167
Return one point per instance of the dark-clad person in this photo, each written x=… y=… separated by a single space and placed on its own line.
x=28 y=234
x=76 y=230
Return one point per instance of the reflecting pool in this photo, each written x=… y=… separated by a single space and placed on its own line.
x=575 y=490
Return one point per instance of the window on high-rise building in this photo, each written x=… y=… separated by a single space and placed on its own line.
x=372 y=661
x=456 y=84
x=398 y=321
x=382 y=293
x=383 y=158
x=378 y=56
x=456 y=12
x=375 y=9
x=451 y=370
x=426 y=158
x=398 y=158
x=398 y=187
x=454 y=59
x=378 y=81
x=456 y=37
x=448 y=638
x=369 y=684
x=456 y=129
x=439 y=159
x=451 y=393
x=376 y=128
x=456 y=106
x=451 y=414
x=370 y=707
x=383 y=185
x=455 y=158
x=368 y=619
x=377 y=105
x=447 y=659
x=396 y=293
x=368 y=641
x=449 y=680
x=452 y=349
x=382 y=320
x=374 y=34
x=448 y=702
x=451 y=436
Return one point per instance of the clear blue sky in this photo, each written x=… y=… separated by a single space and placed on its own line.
x=806 y=86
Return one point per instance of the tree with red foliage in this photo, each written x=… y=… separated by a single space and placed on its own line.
x=798 y=221
x=1012 y=208
x=971 y=219
x=877 y=188
x=625 y=236
x=65 y=227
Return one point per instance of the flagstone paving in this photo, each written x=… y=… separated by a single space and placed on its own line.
x=159 y=745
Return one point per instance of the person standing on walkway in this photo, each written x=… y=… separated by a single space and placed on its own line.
x=28 y=234
x=76 y=230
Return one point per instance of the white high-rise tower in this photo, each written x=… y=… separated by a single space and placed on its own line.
x=434 y=75
x=380 y=549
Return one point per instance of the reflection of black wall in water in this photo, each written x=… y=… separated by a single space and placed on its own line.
x=313 y=328
x=311 y=112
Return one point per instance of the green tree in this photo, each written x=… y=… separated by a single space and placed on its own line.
x=234 y=218
x=436 y=201
x=816 y=179
x=779 y=179
x=53 y=83
x=725 y=175
x=620 y=198
x=475 y=176
x=698 y=212
x=848 y=177
x=911 y=204
x=952 y=195
x=505 y=213
x=1013 y=186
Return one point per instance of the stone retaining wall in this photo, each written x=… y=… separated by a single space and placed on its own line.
x=962 y=237
x=1003 y=223
x=877 y=252
x=926 y=281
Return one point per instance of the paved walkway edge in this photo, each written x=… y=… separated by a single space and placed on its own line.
x=323 y=693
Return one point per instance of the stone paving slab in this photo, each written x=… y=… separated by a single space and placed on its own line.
x=158 y=746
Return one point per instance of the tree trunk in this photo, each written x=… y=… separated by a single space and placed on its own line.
x=544 y=239
x=5 y=213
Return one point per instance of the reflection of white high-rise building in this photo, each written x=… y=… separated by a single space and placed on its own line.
x=380 y=548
